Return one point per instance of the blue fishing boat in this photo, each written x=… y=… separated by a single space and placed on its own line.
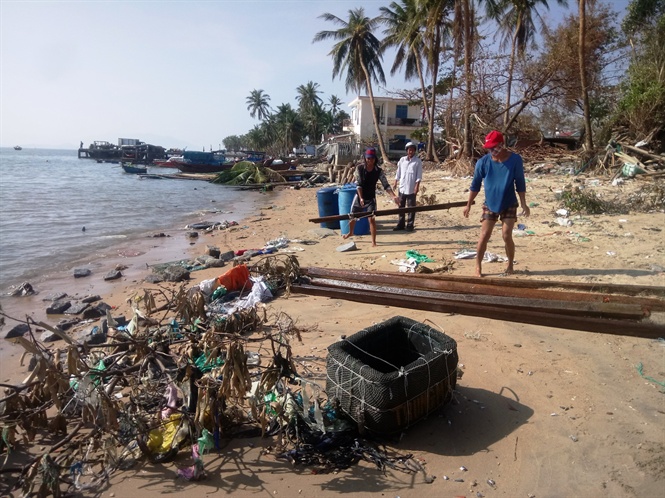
x=135 y=170
x=202 y=162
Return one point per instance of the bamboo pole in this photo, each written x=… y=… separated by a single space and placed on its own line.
x=388 y=212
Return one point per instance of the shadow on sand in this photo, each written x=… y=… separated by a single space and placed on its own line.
x=471 y=423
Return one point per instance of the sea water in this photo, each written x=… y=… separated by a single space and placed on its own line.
x=56 y=209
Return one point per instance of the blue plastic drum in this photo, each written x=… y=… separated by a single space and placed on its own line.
x=328 y=206
x=345 y=198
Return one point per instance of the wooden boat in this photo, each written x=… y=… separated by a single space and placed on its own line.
x=18 y=147
x=254 y=156
x=202 y=162
x=167 y=163
x=203 y=168
x=135 y=170
x=280 y=165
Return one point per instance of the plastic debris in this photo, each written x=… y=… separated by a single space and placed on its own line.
x=349 y=246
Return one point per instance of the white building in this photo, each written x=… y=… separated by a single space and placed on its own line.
x=397 y=120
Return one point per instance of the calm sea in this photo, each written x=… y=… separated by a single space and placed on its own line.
x=48 y=196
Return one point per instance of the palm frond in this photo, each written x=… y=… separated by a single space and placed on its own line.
x=247 y=173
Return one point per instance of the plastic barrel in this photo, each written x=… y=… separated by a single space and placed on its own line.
x=328 y=205
x=345 y=198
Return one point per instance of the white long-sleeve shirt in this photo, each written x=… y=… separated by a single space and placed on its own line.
x=409 y=172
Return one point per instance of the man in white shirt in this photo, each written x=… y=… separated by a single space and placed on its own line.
x=409 y=175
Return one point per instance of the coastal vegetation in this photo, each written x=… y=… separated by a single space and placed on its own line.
x=496 y=64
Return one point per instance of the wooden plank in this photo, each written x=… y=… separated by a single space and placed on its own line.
x=517 y=304
x=599 y=325
x=629 y=290
x=481 y=286
x=648 y=154
x=388 y=212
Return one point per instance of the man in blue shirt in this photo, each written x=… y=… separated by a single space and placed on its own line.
x=503 y=174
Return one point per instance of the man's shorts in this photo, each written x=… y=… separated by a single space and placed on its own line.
x=507 y=214
x=356 y=208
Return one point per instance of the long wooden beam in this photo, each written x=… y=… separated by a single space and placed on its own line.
x=614 y=327
x=387 y=212
x=627 y=289
x=598 y=310
x=483 y=286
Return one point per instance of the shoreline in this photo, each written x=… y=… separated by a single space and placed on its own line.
x=539 y=410
x=137 y=254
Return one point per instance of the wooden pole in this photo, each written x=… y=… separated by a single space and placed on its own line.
x=637 y=150
x=516 y=304
x=557 y=320
x=388 y=212
x=487 y=286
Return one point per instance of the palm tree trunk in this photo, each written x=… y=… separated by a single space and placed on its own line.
x=450 y=131
x=509 y=84
x=431 y=150
x=435 y=74
x=468 y=40
x=588 y=139
x=370 y=93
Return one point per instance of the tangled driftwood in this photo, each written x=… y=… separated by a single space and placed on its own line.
x=174 y=375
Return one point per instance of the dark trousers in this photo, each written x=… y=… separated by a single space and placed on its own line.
x=407 y=200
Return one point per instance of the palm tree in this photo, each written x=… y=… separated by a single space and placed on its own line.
x=516 y=20
x=404 y=31
x=310 y=108
x=437 y=29
x=288 y=126
x=257 y=104
x=335 y=103
x=308 y=96
x=358 y=52
x=331 y=124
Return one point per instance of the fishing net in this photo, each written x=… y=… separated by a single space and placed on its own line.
x=390 y=375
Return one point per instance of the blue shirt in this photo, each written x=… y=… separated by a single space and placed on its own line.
x=502 y=180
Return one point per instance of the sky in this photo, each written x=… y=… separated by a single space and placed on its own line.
x=169 y=73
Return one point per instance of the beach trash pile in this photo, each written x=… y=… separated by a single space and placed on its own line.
x=182 y=376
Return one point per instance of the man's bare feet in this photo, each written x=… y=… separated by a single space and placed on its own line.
x=509 y=271
x=479 y=272
x=346 y=235
x=373 y=244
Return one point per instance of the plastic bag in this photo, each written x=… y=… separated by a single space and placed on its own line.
x=236 y=278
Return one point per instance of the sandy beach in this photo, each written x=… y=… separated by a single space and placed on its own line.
x=539 y=411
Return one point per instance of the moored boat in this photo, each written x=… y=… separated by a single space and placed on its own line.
x=280 y=165
x=135 y=170
x=203 y=168
x=171 y=162
x=18 y=147
x=202 y=162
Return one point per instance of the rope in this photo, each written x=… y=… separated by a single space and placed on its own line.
x=352 y=385
x=640 y=370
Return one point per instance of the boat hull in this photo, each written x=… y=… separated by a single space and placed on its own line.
x=203 y=168
x=164 y=163
x=134 y=170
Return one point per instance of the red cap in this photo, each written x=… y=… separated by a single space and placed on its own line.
x=493 y=139
x=371 y=152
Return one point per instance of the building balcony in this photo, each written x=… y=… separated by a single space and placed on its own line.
x=409 y=122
